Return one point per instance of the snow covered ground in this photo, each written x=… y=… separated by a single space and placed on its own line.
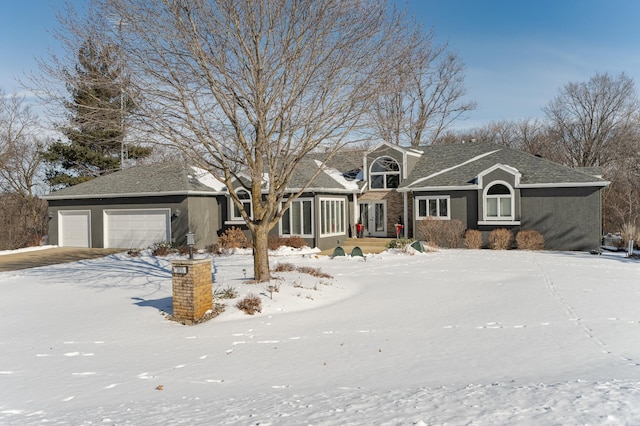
x=453 y=337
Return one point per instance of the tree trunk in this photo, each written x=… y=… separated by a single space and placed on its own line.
x=260 y=235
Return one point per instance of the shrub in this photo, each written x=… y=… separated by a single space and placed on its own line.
x=630 y=232
x=314 y=272
x=293 y=241
x=285 y=267
x=441 y=233
x=233 y=238
x=529 y=240
x=225 y=293
x=250 y=304
x=162 y=248
x=473 y=239
x=500 y=239
x=399 y=243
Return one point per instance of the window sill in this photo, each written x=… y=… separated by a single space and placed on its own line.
x=499 y=222
x=433 y=218
x=234 y=222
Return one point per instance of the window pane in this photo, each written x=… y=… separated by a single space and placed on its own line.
x=296 y=225
x=341 y=206
x=285 y=221
x=393 y=181
x=243 y=195
x=379 y=219
x=498 y=190
x=444 y=211
x=505 y=206
x=433 y=208
x=306 y=213
x=492 y=207
x=377 y=181
x=422 y=208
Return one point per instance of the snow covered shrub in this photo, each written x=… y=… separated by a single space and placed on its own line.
x=500 y=239
x=250 y=304
x=529 y=240
x=473 y=239
x=233 y=238
x=440 y=233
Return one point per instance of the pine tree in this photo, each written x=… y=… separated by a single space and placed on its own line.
x=96 y=119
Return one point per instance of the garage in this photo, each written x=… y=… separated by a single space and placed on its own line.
x=74 y=228
x=136 y=228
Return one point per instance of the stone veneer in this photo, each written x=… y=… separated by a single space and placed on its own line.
x=193 y=290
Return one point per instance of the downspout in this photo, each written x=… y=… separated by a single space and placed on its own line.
x=355 y=213
x=405 y=199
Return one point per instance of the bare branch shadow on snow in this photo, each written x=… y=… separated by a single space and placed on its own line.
x=114 y=271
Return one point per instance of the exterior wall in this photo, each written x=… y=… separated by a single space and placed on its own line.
x=204 y=221
x=463 y=207
x=198 y=214
x=568 y=218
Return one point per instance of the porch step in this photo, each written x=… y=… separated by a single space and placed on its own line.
x=368 y=245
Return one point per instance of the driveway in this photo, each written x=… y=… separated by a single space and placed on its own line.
x=51 y=256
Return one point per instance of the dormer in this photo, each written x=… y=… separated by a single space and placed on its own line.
x=386 y=166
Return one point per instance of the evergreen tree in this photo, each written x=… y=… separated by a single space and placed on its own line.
x=96 y=119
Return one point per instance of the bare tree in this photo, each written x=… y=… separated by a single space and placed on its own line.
x=422 y=95
x=22 y=214
x=594 y=122
x=248 y=88
x=20 y=146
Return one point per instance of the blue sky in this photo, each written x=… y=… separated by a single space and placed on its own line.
x=517 y=53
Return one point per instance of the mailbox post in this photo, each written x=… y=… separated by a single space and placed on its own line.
x=192 y=286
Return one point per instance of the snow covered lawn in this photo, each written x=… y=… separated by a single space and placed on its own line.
x=451 y=337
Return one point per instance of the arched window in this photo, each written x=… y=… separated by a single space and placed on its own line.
x=384 y=174
x=498 y=202
x=245 y=199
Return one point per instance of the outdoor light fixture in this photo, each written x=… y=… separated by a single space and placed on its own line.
x=176 y=213
x=191 y=241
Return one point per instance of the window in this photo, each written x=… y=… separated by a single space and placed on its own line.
x=385 y=174
x=435 y=207
x=332 y=217
x=298 y=219
x=498 y=202
x=245 y=199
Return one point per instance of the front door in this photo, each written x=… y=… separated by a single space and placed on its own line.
x=373 y=215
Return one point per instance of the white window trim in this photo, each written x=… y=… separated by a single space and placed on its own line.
x=311 y=235
x=384 y=174
x=433 y=197
x=344 y=216
x=498 y=220
x=238 y=220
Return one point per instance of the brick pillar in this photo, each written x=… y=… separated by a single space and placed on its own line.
x=192 y=289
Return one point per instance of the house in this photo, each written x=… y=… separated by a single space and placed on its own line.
x=485 y=186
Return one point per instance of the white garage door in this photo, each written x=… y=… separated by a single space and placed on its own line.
x=136 y=228
x=73 y=228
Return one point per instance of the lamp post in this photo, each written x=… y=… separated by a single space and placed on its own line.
x=191 y=241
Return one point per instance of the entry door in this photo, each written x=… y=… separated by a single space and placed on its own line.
x=373 y=215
